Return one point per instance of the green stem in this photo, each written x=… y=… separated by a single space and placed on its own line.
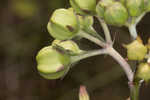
x=106 y=30
x=87 y=55
x=132 y=25
x=138 y=19
x=91 y=38
x=134 y=91
x=132 y=30
x=92 y=31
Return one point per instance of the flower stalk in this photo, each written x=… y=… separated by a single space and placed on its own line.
x=106 y=30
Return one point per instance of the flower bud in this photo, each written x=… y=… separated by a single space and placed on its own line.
x=83 y=95
x=63 y=24
x=101 y=7
x=143 y=71
x=68 y=45
x=84 y=7
x=51 y=63
x=136 y=50
x=147 y=5
x=135 y=7
x=116 y=14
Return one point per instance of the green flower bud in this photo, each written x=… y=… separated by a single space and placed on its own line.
x=116 y=14
x=101 y=7
x=135 y=7
x=143 y=71
x=147 y=5
x=84 y=7
x=68 y=45
x=51 y=63
x=136 y=50
x=63 y=24
x=85 y=21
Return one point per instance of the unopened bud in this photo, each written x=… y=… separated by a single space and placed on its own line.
x=136 y=50
x=51 y=63
x=83 y=95
x=116 y=14
x=63 y=24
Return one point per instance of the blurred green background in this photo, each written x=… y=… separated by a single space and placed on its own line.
x=23 y=33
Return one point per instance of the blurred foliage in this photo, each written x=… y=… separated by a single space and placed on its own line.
x=23 y=33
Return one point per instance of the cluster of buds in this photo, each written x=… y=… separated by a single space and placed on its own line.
x=54 y=61
x=65 y=24
x=118 y=12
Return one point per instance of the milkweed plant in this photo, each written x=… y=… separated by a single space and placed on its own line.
x=55 y=61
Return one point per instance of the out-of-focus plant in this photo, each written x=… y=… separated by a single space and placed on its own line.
x=56 y=60
x=24 y=8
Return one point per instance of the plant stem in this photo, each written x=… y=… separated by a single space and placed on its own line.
x=132 y=30
x=132 y=25
x=92 y=31
x=134 y=91
x=106 y=30
x=91 y=38
x=87 y=55
x=138 y=19
x=112 y=52
x=125 y=66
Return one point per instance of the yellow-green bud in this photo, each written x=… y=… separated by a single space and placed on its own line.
x=68 y=45
x=84 y=7
x=147 y=5
x=51 y=63
x=101 y=7
x=135 y=7
x=143 y=71
x=136 y=50
x=63 y=24
x=116 y=14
